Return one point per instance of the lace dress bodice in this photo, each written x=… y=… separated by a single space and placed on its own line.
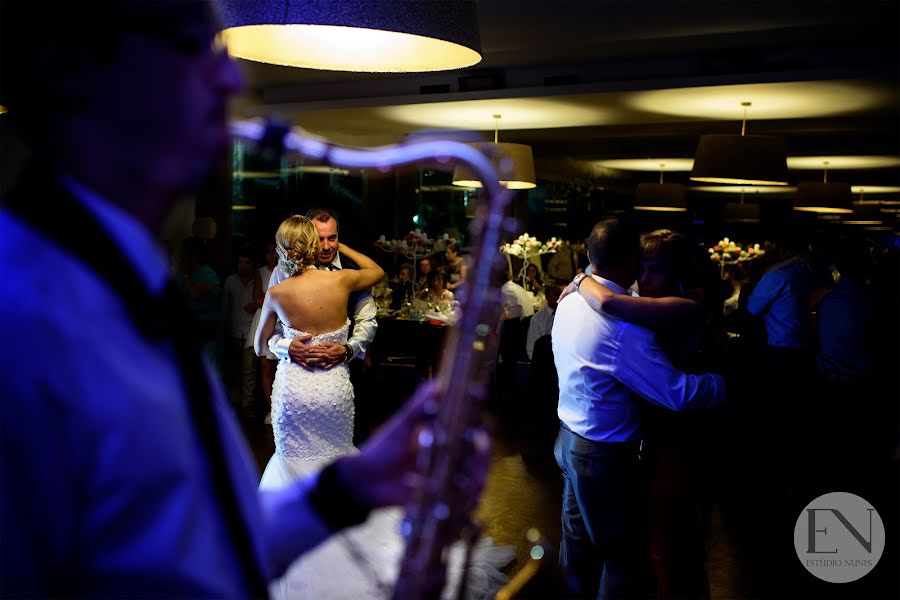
x=312 y=410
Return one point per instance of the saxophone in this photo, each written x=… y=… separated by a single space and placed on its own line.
x=439 y=512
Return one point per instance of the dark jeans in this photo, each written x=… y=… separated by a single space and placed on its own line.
x=603 y=517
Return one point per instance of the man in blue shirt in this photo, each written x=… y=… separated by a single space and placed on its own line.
x=123 y=473
x=604 y=365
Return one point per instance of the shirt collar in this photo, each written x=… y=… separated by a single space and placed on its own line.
x=131 y=237
x=610 y=284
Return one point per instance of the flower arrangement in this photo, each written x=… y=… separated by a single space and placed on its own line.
x=728 y=252
x=415 y=245
x=526 y=247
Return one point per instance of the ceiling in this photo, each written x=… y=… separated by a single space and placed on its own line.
x=587 y=80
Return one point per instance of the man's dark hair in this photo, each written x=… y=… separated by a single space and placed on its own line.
x=612 y=244
x=322 y=215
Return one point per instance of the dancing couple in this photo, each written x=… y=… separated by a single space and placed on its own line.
x=312 y=418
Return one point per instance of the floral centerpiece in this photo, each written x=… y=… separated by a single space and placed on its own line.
x=728 y=252
x=528 y=247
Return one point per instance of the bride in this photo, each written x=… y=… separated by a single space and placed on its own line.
x=312 y=419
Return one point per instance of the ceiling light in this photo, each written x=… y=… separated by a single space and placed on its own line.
x=823 y=197
x=661 y=197
x=864 y=214
x=875 y=189
x=741 y=212
x=514 y=163
x=647 y=164
x=739 y=189
x=814 y=163
x=388 y=36
x=740 y=159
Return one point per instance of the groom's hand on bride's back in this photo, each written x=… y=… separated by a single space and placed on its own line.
x=384 y=472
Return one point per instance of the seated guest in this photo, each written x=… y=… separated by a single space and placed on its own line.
x=542 y=321
x=455 y=268
x=435 y=290
x=425 y=270
x=533 y=281
x=515 y=299
x=403 y=288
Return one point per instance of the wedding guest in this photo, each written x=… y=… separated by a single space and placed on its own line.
x=606 y=366
x=241 y=298
x=542 y=322
x=455 y=267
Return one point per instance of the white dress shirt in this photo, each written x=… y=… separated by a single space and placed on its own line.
x=601 y=361
x=516 y=300
x=103 y=477
x=237 y=295
x=540 y=325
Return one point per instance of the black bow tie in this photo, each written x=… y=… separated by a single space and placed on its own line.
x=329 y=266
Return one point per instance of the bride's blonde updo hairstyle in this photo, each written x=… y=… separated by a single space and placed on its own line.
x=297 y=244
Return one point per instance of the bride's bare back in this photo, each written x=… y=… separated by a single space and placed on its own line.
x=314 y=302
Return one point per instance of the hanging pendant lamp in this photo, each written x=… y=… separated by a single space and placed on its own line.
x=741 y=212
x=660 y=197
x=823 y=197
x=514 y=163
x=740 y=159
x=387 y=36
x=864 y=214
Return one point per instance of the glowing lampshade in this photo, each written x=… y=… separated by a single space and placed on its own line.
x=514 y=162
x=741 y=159
x=864 y=214
x=387 y=36
x=741 y=212
x=664 y=197
x=823 y=197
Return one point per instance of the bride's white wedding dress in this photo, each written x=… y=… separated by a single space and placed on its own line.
x=312 y=418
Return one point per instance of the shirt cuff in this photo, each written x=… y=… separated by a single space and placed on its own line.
x=281 y=349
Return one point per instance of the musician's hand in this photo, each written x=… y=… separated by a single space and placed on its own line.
x=382 y=473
